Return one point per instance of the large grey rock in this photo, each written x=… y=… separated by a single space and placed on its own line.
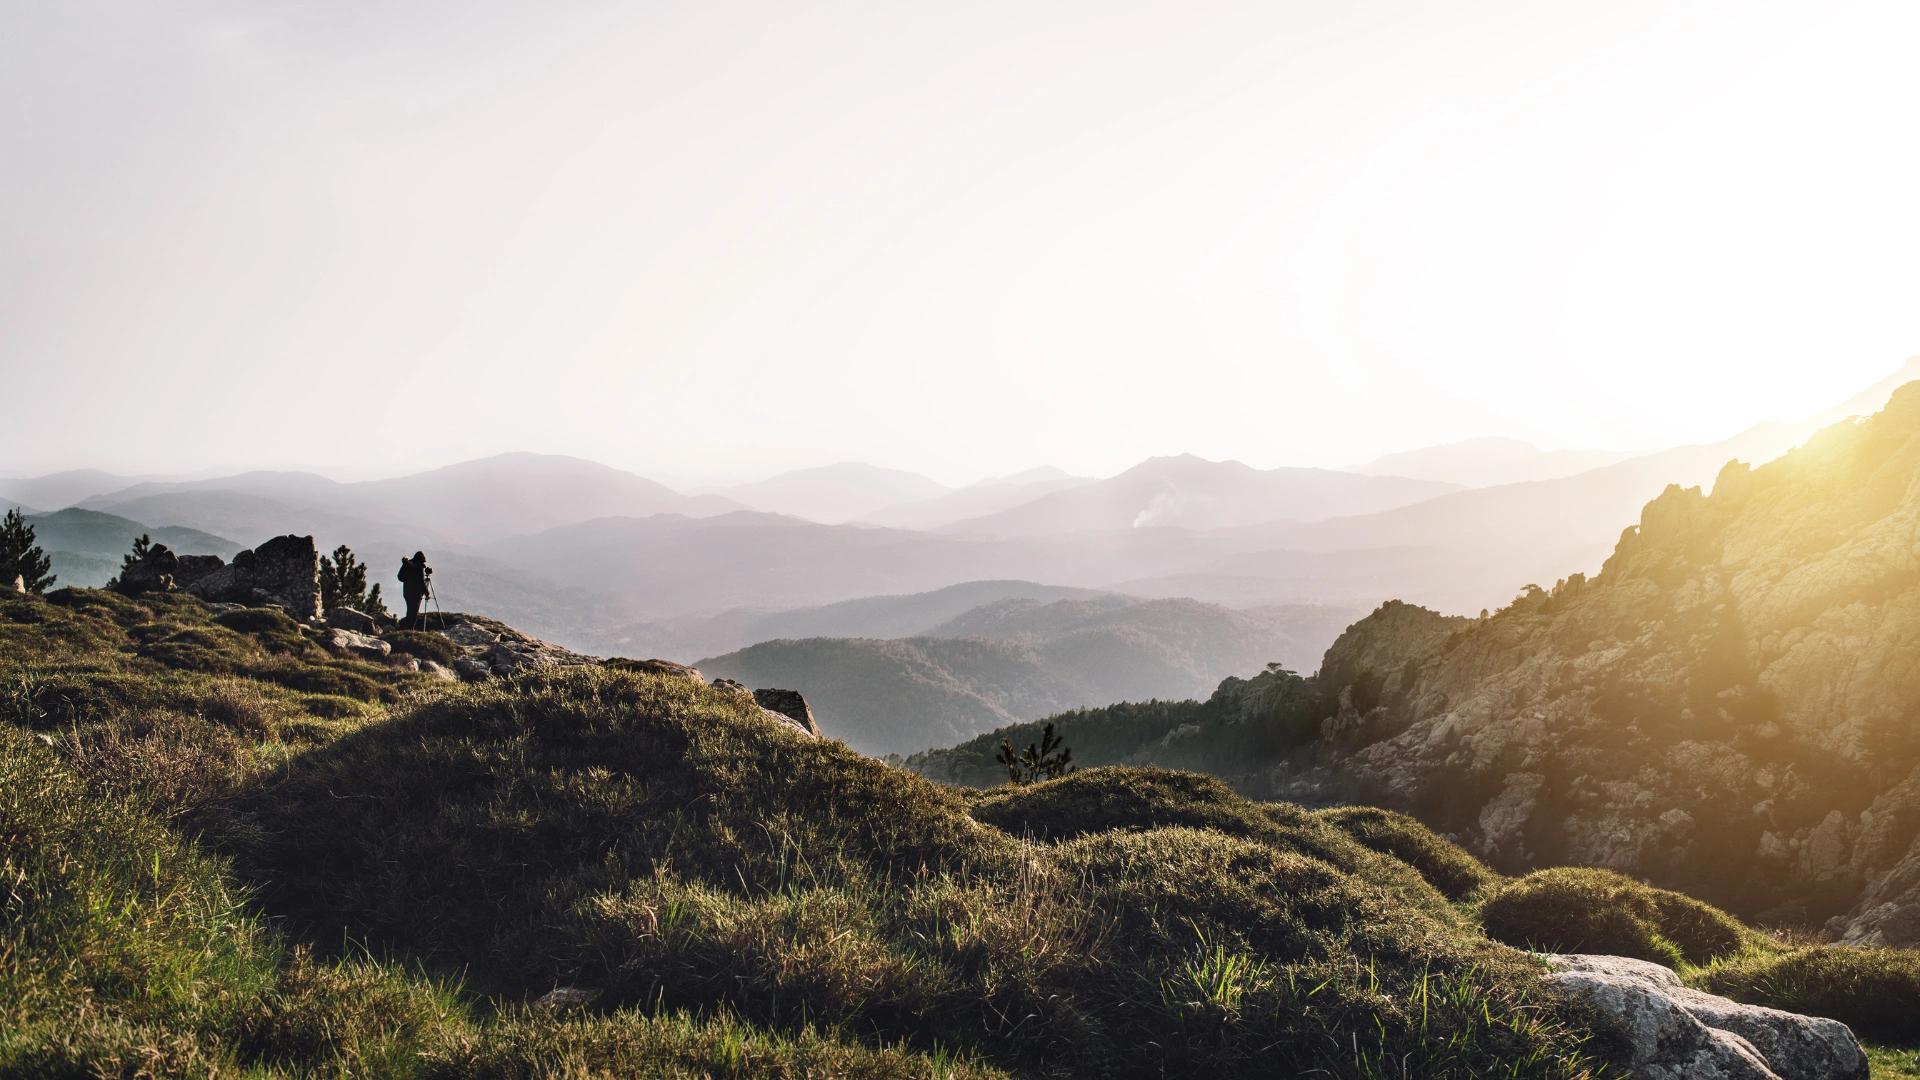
x=357 y=645
x=788 y=705
x=467 y=635
x=348 y=619
x=1675 y=1032
x=160 y=570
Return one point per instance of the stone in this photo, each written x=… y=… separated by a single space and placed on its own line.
x=438 y=670
x=1674 y=1032
x=471 y=670
x=348 y=619
x=357 y=645
x=19 y=583
x=564 y=997
x=737 y=689
x=467 y=635
x=790 y=706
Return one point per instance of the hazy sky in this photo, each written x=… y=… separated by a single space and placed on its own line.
x=713 y=237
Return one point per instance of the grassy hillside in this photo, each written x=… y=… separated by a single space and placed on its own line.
x=228 y=852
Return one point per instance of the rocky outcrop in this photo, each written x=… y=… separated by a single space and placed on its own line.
x=160 y=570
x=356 y=645
x=1674 y=1032
x=1731 y=707
x=492 y=649
x=789 y=705
x=284 y=572
x=19 y=583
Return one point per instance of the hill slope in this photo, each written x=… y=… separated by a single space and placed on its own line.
x=1732 y=705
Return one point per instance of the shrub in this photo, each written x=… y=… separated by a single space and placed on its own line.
x=424 y=645
x=1458 y=875
x=1876 y=992
x=1586 y=910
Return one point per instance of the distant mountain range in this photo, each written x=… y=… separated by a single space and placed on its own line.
x=1187 y=492
x=86 y=546
x=582 y=553
x=895 y=616
x=1019 y=659
x=1487 y=462
x=832 y=494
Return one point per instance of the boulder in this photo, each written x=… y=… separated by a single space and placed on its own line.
x=19 y=583
x=467 y=635
x=737 y=689
x=471 y=670
x=437 y=670
x=789 y=706
x=1674 y=1032
x=160 y=570
x=357 y=645
x=348 y=619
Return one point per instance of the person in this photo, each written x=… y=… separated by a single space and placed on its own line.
x=416 y=583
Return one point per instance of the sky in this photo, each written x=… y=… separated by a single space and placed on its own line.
x=722 y=239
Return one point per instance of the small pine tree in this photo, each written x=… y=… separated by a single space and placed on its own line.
x=141 y=544
x=20 y=556
x=343 y=581
x=1049 y=760
x=375 y=606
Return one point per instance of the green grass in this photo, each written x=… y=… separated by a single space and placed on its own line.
x=1458 y=875
x=1876 y=992
x=1587 y=910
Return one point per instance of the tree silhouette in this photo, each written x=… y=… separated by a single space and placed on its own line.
x=1049 y=760
x=20 y=556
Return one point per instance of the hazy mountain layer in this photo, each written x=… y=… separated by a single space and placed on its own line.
x=910 y=615
x=86 y=546
x=836 y=493
x=1023 y=659
x=1191 y=493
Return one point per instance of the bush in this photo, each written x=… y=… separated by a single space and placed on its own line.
x=1585 y=910
x=1876 y=992
x=1458 y=875
x=424 y=645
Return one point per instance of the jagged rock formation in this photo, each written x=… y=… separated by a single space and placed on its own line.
x=284 y=572
x=1675 y=1032
x=1731 y=707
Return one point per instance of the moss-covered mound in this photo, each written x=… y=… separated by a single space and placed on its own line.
x=659 y=842
x=1458 y=875
x=1586 y=910
x=1874 y=991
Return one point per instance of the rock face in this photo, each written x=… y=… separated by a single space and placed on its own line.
x=19 y=583
x=790 y=706
x=1731 y=707
x=1675 y=1032
x=284 y=572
